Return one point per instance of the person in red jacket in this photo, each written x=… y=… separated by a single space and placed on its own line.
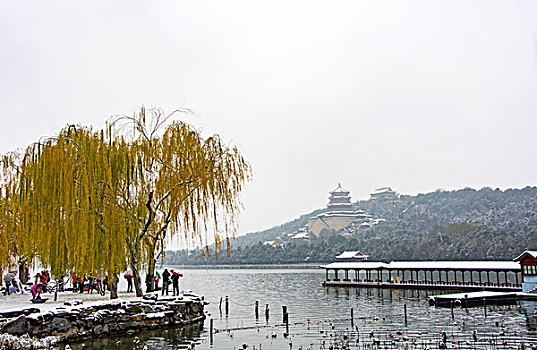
x=175 y=281
x=74 y=281
x=128 y=276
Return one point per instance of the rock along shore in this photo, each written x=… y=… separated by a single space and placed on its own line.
x=112 y=317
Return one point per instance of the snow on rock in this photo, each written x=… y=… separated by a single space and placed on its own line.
x=98 y=318
x=8 y=342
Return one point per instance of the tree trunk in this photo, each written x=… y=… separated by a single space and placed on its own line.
x=23 y=272
x=151 y=271
x=112 y=284
x=137 y=279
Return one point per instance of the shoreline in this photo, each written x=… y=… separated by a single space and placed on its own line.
x=251 y=266
x=46 y=325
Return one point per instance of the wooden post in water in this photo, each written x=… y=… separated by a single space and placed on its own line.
x=227 y=305
x=211 y=331
x=285 y=319
x=485 y=307
x=352 y=317
x=267 y=312
x=287 y=324
x=257 y=309
x=452 y=314
x=220 y=306
x=406 y=321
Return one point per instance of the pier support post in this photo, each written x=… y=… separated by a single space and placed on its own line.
x=266 y=312
x=285 y=319
x=257 y=309
x=227 y=305
x=406 y=320
x=211 y=331
x=352 y=317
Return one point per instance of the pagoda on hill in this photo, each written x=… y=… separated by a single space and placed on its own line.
x=339 y=200
x=340 y=213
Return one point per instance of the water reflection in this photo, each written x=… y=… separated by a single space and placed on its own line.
x=170 y=338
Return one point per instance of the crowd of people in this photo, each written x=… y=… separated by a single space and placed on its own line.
x=42 y=279
x=168 y=277
x=90 y=283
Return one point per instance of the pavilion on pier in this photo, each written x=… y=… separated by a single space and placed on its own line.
x=464 y=275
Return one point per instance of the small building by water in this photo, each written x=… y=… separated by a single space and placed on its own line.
x=352 y=256
x=528 y=265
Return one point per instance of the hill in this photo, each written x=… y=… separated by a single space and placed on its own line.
x=465 y=224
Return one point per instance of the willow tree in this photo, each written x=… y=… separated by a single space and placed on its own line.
x=10 y=212
x=94 y=202
x=65 y=191
x=178 y=183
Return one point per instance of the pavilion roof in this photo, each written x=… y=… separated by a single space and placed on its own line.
x=382 y=190
x=356 y=265
x=456 y=265
x=428 y=265
x=339 y=190
x=533 y=254
x=351 y=254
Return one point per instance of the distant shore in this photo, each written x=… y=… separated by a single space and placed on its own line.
x=253 y=266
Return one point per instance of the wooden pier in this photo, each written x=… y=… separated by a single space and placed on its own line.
x=454 y=275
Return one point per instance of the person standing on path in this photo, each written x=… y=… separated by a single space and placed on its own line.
x=165 y=281
x=128 y=276
x=175 y=281
x=8 y=279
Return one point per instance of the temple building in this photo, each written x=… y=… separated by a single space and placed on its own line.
x=383 y=193
x=340 y=213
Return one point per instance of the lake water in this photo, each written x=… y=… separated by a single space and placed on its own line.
x=319 y=317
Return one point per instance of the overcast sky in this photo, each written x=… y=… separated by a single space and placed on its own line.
x=416 y=95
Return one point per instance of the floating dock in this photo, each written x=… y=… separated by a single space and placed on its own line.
x=474 y=299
